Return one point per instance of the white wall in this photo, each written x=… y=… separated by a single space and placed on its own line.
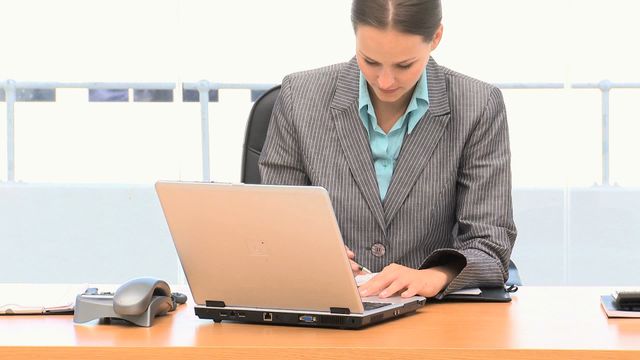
x=83 y=234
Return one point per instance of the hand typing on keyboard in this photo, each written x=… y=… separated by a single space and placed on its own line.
x=408 y=282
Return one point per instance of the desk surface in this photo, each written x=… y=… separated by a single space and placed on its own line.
x=540 y=323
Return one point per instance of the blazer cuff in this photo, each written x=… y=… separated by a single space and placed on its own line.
x=446 y=257
x=476 y=269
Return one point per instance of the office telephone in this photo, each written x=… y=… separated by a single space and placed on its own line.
x=138 y=301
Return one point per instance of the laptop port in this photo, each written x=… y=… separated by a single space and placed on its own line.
x=308 y=318
x=224 y=313
x=241 y=314
x=267 y=316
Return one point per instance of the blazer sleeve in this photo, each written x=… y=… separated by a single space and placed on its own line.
x=281 y=161
x=485 y=229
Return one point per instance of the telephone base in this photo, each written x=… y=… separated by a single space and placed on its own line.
x=100 y=306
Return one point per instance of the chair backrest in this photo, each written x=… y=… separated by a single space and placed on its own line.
x=256 y=133
x=514 y=275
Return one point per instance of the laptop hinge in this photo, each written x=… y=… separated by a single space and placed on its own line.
x=340 y=310
x=215 y=303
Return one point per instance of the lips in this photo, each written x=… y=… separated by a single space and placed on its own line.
x=391 y=91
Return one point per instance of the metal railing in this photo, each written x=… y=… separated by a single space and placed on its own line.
x=605 y=87
x=11 y=87
x=204 y=87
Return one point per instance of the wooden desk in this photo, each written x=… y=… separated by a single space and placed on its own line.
x=541 y=323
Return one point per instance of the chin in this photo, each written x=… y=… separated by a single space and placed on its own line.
x=389 y=98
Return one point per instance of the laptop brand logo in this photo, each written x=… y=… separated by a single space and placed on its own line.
x=257 y=247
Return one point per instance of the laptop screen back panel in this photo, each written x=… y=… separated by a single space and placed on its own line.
x=260 y=246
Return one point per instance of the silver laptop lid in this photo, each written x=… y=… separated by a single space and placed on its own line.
x=260 y=246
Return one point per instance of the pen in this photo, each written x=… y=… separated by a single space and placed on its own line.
x=362 y=268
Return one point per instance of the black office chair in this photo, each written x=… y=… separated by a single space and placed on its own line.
x=514 y=275
x=254 y=137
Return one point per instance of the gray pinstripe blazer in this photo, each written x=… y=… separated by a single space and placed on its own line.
x=450 y=195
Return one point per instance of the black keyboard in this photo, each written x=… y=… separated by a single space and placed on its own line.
x=373 y=305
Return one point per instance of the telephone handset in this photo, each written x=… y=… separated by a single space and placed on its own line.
x=138 y=301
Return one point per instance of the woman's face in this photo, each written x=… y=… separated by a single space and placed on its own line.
x=392 y=61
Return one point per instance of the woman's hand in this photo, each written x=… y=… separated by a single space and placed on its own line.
x=408 y=282
x=355 y=267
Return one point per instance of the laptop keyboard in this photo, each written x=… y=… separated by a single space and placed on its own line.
x=373 y=305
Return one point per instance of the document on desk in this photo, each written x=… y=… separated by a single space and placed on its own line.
x=361 y=279
x=38 y=298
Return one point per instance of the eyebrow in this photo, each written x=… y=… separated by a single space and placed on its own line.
x=398 y=63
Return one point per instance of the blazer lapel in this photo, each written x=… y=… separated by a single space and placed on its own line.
x=418 y=146
x=353 y=138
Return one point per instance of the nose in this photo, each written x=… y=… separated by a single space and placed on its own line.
x=385 y=80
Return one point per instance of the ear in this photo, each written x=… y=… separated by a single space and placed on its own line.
x=437 y=37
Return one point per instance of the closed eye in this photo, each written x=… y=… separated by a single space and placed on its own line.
x=370 y=62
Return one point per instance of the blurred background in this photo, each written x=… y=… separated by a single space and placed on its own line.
x=106 y=103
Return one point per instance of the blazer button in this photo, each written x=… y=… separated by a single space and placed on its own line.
x=378 y=249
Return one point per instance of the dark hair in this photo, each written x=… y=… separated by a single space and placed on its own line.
x=418 y=17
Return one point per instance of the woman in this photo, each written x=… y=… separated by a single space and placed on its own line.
x=415 y=157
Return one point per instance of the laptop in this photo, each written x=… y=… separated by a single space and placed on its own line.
x=270 y=255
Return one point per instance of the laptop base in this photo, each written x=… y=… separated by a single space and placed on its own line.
x=283 y=317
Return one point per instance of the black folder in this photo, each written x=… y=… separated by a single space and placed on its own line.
x=488 y=294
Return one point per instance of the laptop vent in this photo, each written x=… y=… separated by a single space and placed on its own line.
x=332 y=320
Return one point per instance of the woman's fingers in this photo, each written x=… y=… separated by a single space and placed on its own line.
x=350 y=253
